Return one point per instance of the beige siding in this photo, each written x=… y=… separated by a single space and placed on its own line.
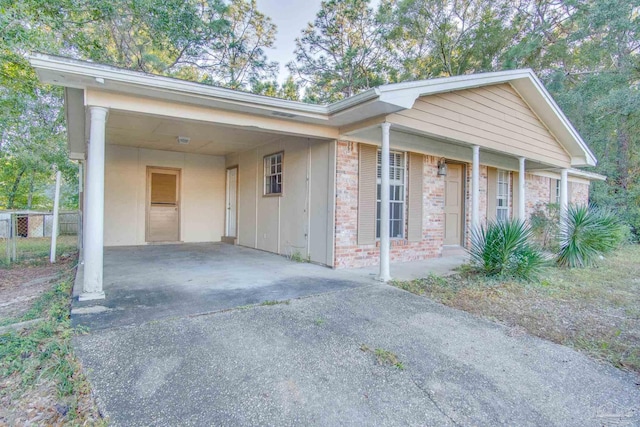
x=493 y=117
x=202 y=203
x=415 y=205
x=367 y=183
x=297 y=221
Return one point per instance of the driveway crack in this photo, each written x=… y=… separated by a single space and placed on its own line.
x=432 y=400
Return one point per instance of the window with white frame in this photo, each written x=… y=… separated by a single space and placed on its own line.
x=502 y=202
x=396 y=194
x=273 y=174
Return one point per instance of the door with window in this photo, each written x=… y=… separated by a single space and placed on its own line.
x=453 y=203
x=163 y=205
x=232 y=202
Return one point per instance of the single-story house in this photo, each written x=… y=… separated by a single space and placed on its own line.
x=400 y=172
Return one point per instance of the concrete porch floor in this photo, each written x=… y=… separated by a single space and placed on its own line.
x=148 y=283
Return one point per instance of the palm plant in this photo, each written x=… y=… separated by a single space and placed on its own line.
x=503 y=249
x=587 y=234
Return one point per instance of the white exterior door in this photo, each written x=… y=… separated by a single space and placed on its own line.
x=232 y=202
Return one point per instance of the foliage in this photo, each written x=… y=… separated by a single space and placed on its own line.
x=589 y=233
x=503 y=249
x=340 y=53
x=544 y=223
x=44 y=353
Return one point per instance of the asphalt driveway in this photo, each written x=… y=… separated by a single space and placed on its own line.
x=313 y=362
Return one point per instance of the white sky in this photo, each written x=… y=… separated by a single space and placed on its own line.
x=290 y=16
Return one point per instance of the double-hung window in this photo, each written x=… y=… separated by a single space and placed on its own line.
x=397 y=171
x=502 y=202
x=273 y=174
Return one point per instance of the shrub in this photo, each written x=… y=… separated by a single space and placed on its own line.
x=504 y=249
x=545 y=227
x=589 y=233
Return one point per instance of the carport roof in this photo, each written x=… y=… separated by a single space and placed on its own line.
x=375 y=102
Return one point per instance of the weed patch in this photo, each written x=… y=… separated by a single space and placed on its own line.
x=384 y=357
x=275 y=302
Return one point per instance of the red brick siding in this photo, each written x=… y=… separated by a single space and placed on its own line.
x=579 y=193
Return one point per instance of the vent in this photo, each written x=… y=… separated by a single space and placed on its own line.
x=183 y=140
x=280 y=114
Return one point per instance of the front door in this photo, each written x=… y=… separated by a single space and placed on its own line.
x=453 y=204
x=163 y=205
x=232 y=199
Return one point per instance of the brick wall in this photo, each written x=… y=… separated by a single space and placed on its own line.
x=349 y=254
x=579 y=193
x=347 y=251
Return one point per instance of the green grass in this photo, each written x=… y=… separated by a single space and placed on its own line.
x=595 y=310
x=384 y=357
x=275 y=302
x=42 y=357
x=35 y=250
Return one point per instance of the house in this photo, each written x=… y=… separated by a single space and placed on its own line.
x=166 y=160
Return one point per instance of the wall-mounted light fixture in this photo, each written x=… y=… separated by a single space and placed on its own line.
x=442 y=167
x=183 y=140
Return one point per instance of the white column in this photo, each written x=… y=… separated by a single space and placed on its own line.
x=94 y=213
x=475 y=188
x=521 y=190
x=564 y=195
x=384 y=206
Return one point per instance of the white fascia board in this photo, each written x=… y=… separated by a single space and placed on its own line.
x=161 y=83
x=591 y=176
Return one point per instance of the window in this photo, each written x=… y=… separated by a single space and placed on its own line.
x=273 y=174
x=396 y=194
x=502 y=202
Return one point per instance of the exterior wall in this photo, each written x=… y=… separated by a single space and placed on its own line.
x=493 y=117
x=347 y=251
x=579 y=193
x=202 y=194
x=349 y=254
x=300 y=220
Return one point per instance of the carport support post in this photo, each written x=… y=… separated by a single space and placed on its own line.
x=384 y=205
x=475 y=188
x=564 y=197
x=94 y=215
x=521 y=190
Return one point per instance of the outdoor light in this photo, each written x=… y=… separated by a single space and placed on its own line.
x=183 y=140
x=442 y=167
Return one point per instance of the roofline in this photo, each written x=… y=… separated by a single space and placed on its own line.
x=396 y=97
x=591 y=176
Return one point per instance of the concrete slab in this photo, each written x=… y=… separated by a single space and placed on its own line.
x=417 y=269
x=146 y=283
x=303 y=364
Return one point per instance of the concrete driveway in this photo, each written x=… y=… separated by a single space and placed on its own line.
x=145 y=283
x=313 y=362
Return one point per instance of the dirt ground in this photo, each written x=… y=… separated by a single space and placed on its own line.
x=21 y=284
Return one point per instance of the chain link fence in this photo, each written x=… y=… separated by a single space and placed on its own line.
x=26 y=236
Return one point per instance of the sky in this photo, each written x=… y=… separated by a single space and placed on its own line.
x=291 y=17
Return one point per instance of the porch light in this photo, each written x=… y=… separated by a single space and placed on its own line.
x=442 y=167
x=183 y=140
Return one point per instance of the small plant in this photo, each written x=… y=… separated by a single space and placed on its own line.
x=503 y=249
x=319 y=322
x=275 y=302
x=297 y=257
x=544 y=222
x=589 y=233
x=384 y=357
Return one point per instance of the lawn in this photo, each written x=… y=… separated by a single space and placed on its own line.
x=594 y=310
x=37 y=249
x=41 y=381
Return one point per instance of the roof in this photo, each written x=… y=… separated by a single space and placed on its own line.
x=379 y=101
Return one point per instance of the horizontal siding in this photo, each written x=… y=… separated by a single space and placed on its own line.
x=494 y=117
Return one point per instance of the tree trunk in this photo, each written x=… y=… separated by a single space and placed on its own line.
x=623 y=153
x=14 y=188
x=30 y=195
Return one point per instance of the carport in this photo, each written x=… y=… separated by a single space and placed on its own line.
x=151 y=282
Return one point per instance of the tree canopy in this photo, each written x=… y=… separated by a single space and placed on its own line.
x=585 y=51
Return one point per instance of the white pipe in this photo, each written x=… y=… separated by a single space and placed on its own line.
x=521 y=190
x=475 y=188
x=384 y=205
x=54 y=226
